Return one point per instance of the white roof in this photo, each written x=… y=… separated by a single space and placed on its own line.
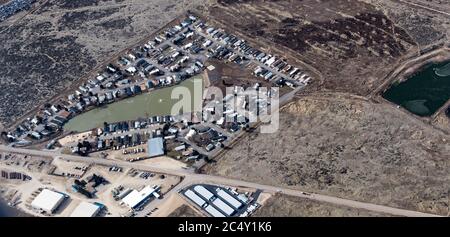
x=85 y=209
x=194 y=197
x=228 y=198
x=213 y=211
x=47 y=200
x=223 y=206
x=203 y=192
x=155 y=146
x=136 y=197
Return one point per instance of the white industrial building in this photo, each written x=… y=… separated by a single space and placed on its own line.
x=155 y=147
x=213 y=211
x=203 y=192
x=86 y=209
x=225 y=208
x=228 y=198
x=48 y=201
x=137 y=197
x=194 y=197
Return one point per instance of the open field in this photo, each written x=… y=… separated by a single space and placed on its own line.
x=184 y=211
x=425 y=26
x=352 y=43
x=62 y=40
x=346 y=146
x=442 y=121
x=288 y=206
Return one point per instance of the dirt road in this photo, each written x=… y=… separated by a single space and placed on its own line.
x=192 y=178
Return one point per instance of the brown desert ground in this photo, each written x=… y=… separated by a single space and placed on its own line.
x=349 y=147
x=288 y=206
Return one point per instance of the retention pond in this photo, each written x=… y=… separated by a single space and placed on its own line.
x=154 y=103
x=425 y=92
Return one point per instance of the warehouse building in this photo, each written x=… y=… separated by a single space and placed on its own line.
x=225 y=208
x=135 y=198
x=203 y=192
x=213 y=211
x=155 y=147
x=194 y=197
x=86 y=209
x=228 y=198
x=48 y=201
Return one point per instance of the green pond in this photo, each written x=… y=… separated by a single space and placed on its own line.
x=425 y=92
x=154 y=103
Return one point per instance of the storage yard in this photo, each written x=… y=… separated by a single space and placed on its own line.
x=80 y=190
x=221 y=202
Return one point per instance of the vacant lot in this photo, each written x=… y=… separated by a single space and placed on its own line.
x=352 y=43
x=426 y=27
x=289 y=206
x=442 y=121
x=184 y=211
x=344 y=146
x=61 y=41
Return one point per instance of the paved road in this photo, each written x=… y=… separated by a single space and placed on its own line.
x=191 y=177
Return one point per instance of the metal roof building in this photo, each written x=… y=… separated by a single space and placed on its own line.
x=155 y=146
x=86 y=209
x=48 y=201
x=223 y=207
x=228 y=198
x=137 y=197
x=203 y=192
x=194 y=197
x=213 y=211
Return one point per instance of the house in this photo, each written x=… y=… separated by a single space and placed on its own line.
x=64 y=114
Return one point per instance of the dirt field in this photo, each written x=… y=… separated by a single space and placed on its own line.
x=424 y=26
x=442 y=121
x=288 y=206
x=345 y=146
x=184 y=211
x=351 y=43
x=61 y=41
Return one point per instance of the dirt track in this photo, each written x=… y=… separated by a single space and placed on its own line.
x=288 y=206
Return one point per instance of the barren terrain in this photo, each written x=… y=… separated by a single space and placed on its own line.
x=426 y=27
x=288 y=206
x=345 y=146
x=62 y=40
x=184 y=211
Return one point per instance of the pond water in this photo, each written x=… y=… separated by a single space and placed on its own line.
x=425 y=92
x=154 y=103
